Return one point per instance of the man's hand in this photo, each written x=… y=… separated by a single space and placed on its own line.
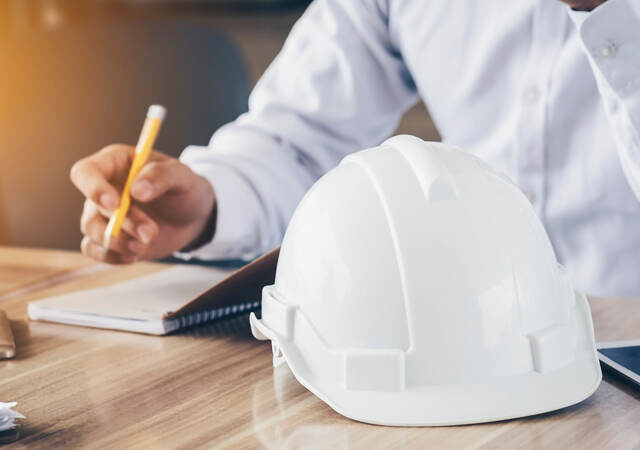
x=583 y=5
x=171 y=205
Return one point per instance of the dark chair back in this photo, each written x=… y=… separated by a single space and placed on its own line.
x=65 y=94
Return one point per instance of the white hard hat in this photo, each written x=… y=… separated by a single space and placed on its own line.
x=416 y=286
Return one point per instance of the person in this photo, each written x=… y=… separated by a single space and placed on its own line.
x=547 y=92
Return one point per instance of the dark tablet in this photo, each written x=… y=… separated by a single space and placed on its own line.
x=622 y=357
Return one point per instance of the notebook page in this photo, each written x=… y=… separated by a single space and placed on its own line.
x=145 y=298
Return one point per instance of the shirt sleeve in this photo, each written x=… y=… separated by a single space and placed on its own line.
x=610 y=35
x=338 y=85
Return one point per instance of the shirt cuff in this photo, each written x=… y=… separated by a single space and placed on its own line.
x=235 y=198
x=610 y=36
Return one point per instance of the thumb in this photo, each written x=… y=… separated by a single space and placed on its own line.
x=161 y=177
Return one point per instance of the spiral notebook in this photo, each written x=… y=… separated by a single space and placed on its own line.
x=165 y=301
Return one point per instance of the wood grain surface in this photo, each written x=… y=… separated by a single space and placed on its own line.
x=214 y=386
x=22 y=267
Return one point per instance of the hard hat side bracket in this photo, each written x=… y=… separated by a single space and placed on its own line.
x=359 y=369
x=553 y=347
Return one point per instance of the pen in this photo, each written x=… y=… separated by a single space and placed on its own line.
x=7 y=343
x=150 y=129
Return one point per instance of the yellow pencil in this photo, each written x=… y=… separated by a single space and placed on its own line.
x=148 y=135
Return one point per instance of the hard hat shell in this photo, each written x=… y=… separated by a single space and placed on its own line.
x=416 y=286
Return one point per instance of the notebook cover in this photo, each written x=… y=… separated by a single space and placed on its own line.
x=242 y=286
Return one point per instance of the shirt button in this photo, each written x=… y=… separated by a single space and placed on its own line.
x=531 y=94
x=607 y=50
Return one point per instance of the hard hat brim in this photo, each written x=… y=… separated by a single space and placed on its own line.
x=455 y=404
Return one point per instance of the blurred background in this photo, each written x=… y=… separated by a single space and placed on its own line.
x=76 y=75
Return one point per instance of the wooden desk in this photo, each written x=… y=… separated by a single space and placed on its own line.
x=214 y=386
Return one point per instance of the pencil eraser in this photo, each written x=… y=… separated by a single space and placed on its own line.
x=157 y=112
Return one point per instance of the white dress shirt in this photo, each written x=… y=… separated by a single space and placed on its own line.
x=549 y=96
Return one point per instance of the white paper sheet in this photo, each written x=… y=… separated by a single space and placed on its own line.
x=8 y=416
x=146 y=298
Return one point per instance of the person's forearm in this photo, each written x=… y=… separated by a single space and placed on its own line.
x=313 y=106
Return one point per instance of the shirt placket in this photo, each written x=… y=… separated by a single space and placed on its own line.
x=547 y=38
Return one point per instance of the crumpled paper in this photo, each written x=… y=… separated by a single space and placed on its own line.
x=8 y=416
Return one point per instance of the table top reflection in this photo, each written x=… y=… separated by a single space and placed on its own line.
x=214 y=385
